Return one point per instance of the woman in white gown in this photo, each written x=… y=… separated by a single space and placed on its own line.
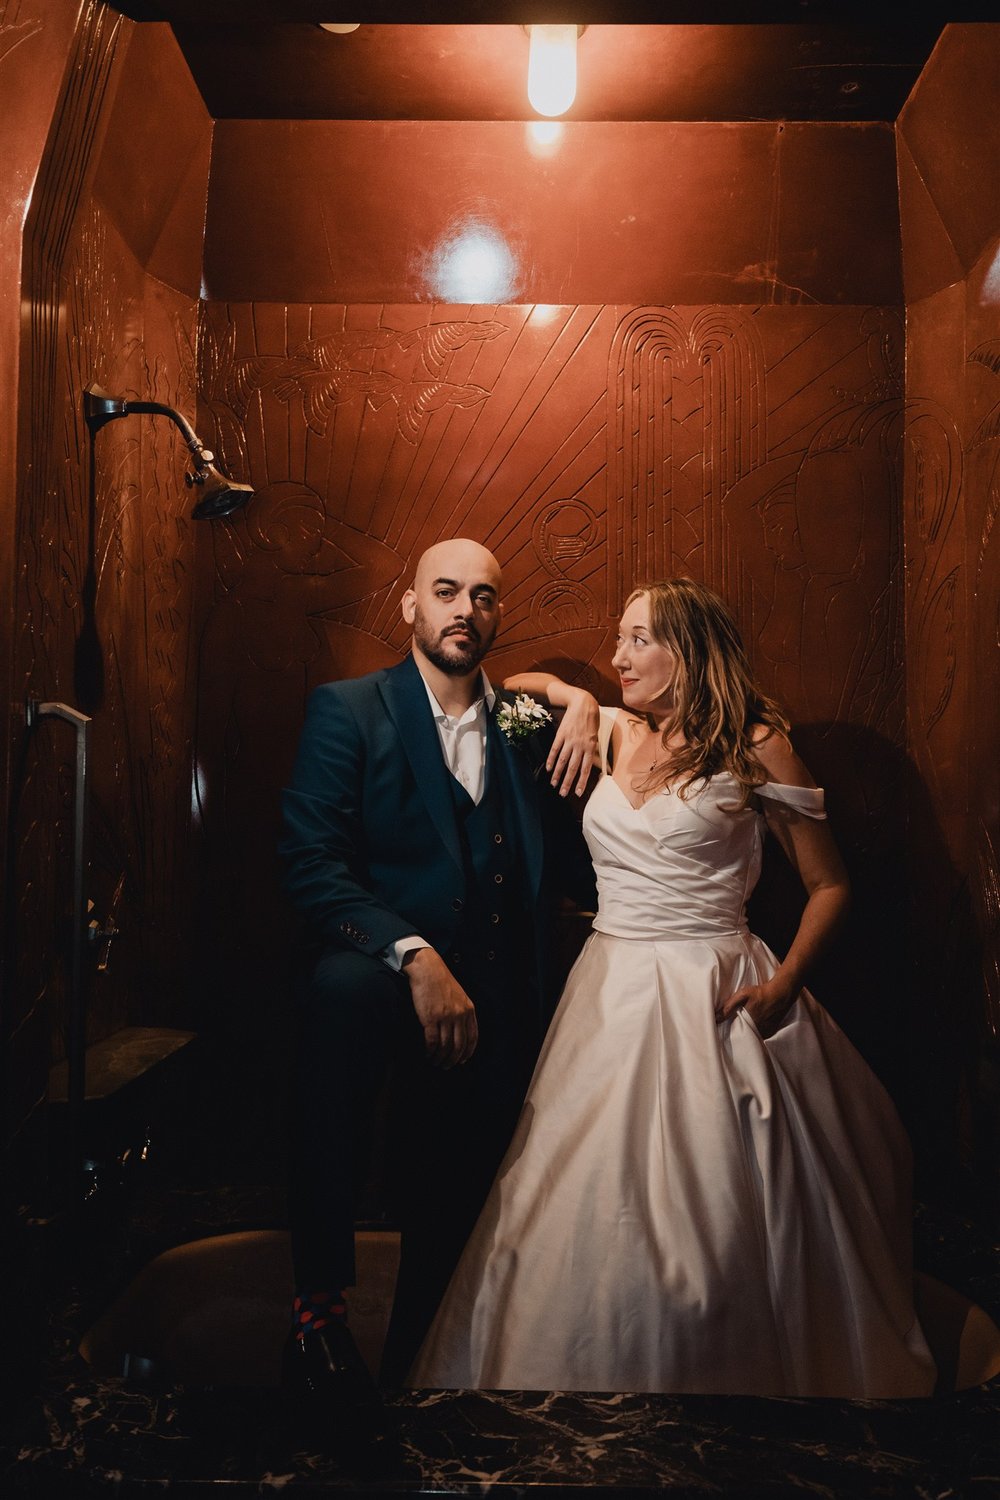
x=708 y=1190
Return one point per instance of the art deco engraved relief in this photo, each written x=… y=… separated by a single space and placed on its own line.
x=564 y=532
x=686 y=420
x=694 y=488
x=14 y=30
x=362 y=365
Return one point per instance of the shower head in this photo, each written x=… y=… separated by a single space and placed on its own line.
x=218 y=496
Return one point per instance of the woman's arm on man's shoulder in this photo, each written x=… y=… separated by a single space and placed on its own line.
x=574 y=749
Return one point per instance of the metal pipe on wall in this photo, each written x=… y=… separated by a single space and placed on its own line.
x=76 y=1040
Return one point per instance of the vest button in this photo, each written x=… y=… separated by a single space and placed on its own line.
x=494 y=917
x=498 y=879
x=456 y=958
x=498 y=838
x=491 y=955
x=456 y=905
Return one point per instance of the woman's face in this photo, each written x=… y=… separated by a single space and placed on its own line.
x=646 y=669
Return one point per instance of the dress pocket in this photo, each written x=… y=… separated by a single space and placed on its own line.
x=745 y=1015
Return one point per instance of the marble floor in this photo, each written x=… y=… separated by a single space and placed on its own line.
x=72 y=1427
x=194 y=1264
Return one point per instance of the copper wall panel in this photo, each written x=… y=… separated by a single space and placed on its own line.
x=45 y=531
x=951 y=502
x=935 y=554
x=105 y=575
x=349 y=211
x=35 y=41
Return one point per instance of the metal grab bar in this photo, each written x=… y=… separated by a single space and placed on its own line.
x=76 y=1041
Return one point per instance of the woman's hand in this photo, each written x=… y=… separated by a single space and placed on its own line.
x=575 y=747
x=766 y=1004
x=813 y=855
x=574 y=751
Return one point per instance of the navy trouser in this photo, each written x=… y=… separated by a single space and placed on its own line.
x=450 y=1128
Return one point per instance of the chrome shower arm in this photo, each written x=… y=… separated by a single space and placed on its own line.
x=76 y=1042
x=219 y=495
x=99 y=408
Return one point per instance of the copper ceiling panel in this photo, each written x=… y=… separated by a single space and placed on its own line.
x=689 y=72
x=349 y=211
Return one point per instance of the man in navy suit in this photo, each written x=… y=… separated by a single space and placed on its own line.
x=418 y=844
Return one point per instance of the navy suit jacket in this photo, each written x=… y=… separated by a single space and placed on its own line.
x=371 y=846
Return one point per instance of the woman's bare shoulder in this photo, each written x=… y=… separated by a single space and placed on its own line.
x=774 y=751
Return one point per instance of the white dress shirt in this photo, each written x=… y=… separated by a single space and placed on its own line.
x=463 y=746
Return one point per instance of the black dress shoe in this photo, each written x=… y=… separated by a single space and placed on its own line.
x=326 y=1366
x=333 y=1404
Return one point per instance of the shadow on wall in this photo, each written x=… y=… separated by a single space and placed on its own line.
x=904 y=979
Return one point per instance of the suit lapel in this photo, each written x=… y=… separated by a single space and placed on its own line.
x=405 y=698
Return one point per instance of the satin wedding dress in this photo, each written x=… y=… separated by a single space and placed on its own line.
x=686 y=1206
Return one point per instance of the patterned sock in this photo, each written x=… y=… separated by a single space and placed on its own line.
x=313 y=1310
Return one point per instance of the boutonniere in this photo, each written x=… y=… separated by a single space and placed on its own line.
x=521 y=719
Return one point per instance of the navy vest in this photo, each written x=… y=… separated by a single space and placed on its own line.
x=493 y=929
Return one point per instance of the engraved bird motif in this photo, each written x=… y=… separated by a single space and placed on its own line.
x=323 y=390
x=339 y=350
x=309 y=365
x=438 y=341
x=416 y=402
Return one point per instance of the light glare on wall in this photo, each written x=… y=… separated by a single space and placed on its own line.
x=473 y=263
x=552 y=68
x=544 y=132
x=990 y=295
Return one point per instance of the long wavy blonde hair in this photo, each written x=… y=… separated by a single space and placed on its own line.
x=718 y=708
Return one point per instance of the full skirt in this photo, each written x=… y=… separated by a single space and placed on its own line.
x=686 y=1206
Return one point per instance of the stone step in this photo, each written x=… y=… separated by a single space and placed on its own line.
x=119 y=1060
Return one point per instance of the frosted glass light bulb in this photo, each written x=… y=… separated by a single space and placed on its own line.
x=552 y=68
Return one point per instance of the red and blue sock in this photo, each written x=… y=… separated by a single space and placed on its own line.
x=314 y=1310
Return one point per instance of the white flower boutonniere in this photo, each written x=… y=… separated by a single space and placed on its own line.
x=522 y=718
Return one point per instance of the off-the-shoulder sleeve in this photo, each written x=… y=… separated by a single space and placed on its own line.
x=805 y=799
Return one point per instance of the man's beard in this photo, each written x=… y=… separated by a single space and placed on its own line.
x=462 y=657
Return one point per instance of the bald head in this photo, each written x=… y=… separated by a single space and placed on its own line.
x=454 y=606
x=458 y=556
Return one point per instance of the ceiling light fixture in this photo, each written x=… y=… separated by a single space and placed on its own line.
x=552 y=67
x=339 y=28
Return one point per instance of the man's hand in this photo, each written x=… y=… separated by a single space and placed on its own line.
x=443 y=1009
x=574 y=749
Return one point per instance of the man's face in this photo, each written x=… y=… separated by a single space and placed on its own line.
x=454 y=606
